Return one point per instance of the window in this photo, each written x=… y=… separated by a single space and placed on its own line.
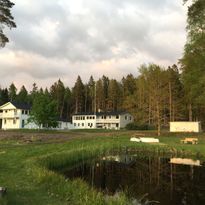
x=117 y=124
x=87 y=117
x=26 y=112
x=125 y=117
x=93 y=117
x=22 y=112
x=91 y=124
x=82 y=124
x=23 y=123
x=14 y=121
x=117 y=116
x=5 y=121
x=110 y=116
x=78 y=124
x=74 y=124
x=88 y=124
x=83 y=118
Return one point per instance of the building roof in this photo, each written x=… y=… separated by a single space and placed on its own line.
x=21 y=106
x=102 y=113
x=63 y=120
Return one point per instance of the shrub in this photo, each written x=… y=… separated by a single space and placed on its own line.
x=136 y=126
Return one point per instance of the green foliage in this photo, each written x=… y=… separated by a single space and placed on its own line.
x=4 y=96
x=44 y=111
x=192 y=63
x=6 y=19
x=79 y=95
x=137 y=126
x=12 y=92
x=22 y=96
x=35 y=184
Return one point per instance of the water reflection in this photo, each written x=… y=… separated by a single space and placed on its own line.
x=174 y=181
x=185 y=161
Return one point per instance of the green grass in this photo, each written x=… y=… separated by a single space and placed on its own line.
x=29 y=170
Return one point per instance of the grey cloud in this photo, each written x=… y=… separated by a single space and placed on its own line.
x=73 y=41
x=106 y=30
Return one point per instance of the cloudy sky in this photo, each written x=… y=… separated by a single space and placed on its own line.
x=66 y=38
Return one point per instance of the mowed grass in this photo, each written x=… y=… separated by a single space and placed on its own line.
x=26 y=169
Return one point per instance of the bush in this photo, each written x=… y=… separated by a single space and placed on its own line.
x=135 y=126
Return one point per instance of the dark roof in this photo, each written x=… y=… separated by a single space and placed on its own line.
x=21 y=106
x=102 y=113
x=62 y=120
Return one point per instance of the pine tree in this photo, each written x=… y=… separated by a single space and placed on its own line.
x=79 y=95
x=12 y=92
x=6 y=19
x=57 y=92
x=22 y=96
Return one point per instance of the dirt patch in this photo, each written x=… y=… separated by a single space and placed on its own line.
x=44 y=137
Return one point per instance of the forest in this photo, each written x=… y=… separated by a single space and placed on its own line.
x=155 y=97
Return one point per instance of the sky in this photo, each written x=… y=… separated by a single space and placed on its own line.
x=66 y=38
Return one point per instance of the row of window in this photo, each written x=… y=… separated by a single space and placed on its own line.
x=83 y=124
x=93 y=117
x=14 y=122
x=26 y=112
x=101 y=117
x=128 y=118
x=83 y=117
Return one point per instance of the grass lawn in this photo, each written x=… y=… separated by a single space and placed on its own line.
x=27 y=159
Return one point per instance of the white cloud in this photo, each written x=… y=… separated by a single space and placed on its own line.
x=64 y=38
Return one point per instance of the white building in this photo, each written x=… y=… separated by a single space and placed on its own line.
x=15 y=116
x=103 y=120
x=185 y=127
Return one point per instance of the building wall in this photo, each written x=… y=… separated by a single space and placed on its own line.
x=125 y=119
x=84 y=121
x=12 y=118
x=64 y=125
x=101 y=121
x=185 y=127
x=16 y=119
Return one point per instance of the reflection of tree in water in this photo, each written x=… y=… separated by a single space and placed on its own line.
x=163 y=181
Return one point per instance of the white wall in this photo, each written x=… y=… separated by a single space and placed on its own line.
x=185 y=127
x=110 y=122
x=64 y=125
x=125 y=119
x=84 y=121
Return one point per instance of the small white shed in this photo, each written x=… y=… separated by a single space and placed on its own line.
x=185 y=126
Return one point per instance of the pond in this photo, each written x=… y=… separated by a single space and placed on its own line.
x=168 y=181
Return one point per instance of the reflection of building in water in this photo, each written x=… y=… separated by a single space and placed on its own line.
x=125 y=159
x=185 y=161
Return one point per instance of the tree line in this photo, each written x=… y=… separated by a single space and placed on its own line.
x=155 y=96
